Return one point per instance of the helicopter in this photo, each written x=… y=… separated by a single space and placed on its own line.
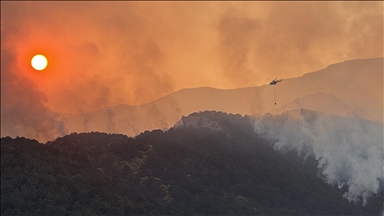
x=274 y=82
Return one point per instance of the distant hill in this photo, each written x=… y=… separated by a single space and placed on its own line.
x=211 y=164
x=352 y=87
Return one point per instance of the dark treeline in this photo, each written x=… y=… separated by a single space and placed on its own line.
x=183 y=171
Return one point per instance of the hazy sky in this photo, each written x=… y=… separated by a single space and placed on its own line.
x=108 y=53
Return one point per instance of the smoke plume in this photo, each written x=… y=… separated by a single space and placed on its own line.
x=349 y=150
x=111 y=126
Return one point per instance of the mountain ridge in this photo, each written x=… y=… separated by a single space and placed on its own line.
x=362 y=89
x=221 y=89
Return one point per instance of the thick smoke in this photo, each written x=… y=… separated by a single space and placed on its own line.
x=236 y=36
x=102 y=54
x=349 y=150
x=109 y=53
x=283 y=39
x=23 y=112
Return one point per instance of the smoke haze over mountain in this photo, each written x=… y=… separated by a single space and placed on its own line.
x=102 y=54
x=108 y=53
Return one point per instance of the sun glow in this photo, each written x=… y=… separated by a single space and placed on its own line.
x=39 y=62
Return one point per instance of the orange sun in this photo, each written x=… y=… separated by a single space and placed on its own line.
x=39 y=62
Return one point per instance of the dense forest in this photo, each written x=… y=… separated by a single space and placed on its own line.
x=182 y=171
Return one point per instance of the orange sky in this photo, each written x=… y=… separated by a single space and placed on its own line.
x=108 y=53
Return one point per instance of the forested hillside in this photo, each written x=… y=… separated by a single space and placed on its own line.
x=182 y=171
